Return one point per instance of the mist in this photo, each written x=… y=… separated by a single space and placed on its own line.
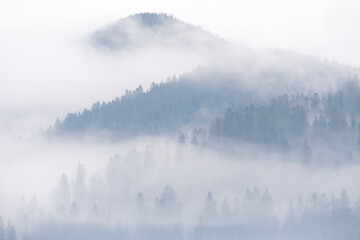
x=56 y=70
x=94 y=143
x=114 y=175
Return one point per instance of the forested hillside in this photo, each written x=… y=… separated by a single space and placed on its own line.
x=226 y=109
x=165 y=107
x=292 y=116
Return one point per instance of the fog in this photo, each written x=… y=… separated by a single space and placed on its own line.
x=148 y=165
x=49 y=68
x=166 y=185
x=48 y=71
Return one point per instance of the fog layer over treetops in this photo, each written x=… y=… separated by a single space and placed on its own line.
x=163 y=192
x=252 y=145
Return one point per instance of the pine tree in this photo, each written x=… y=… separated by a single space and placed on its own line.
x=63 y=195
x=349 y=156
x=225 y=212
x=284 y=146
x=290 y=220
x=194 y=140
x=210 y=213
x=10 y=232
x=305 y=152
x=182 y=138
x=2 y=229
x=315 y=101
x=73 y=209
x=80 y=193
x=167 y=206
x=140 y=202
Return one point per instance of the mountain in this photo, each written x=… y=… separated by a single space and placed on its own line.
x=258 y=97
x=164 y=108
x=275 y=71
x=143 y=30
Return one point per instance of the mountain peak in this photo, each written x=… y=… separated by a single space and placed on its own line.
x=148 y=19
x=152 y=29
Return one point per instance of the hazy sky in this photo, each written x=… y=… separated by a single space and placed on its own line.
x=326 y=28
x=43 y=69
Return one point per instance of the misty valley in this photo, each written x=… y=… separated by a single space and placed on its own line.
x=128 y=201
x=245 y=145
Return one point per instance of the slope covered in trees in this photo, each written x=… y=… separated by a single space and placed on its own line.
x=168 y=107
x=288 y=118
x=280 y=99
x=235 y=78
x=165 y=107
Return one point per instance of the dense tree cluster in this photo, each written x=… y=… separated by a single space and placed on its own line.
x=322 y=216
x=8 y=232
x=304 y=123
x=288 y=120
x=165 y=107
x=319 y=216
x=282 y=119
